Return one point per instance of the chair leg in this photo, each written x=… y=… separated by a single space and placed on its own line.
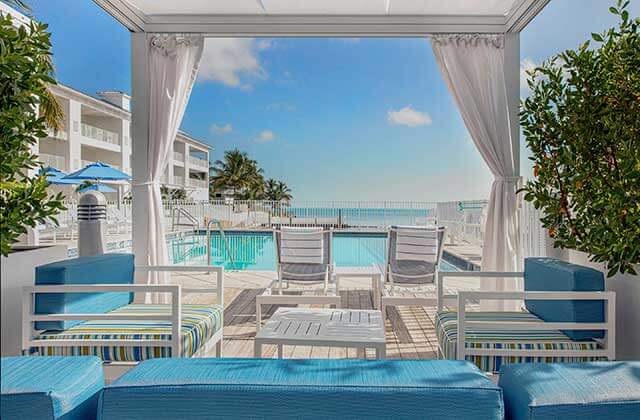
x=219 y=348
x=383 y=308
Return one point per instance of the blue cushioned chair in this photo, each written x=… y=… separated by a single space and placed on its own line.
x=83 y=306
x=39 y=388
x=284 y=389
x=100 y=269
x=599 y=390
x=562 y=300
x=553 y=275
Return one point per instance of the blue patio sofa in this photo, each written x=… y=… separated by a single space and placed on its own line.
x=598 y=390
x=72 y=388
x=47 y=388
x=558 y=298
x=287 y=389
x=117 y=329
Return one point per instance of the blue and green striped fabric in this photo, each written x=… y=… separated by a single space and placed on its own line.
x=532 y=339
x=199 y=324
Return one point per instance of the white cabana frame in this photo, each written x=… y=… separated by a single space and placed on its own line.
x=283 y=18
x=321 y=18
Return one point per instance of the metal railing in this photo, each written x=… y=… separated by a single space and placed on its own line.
x=534 y=239
x=101 y=134
x=85 y=162
x=202 y=163
x=54 y=161
x=464 y=220
x=178 y=157
x=60 y=134
x=199 y=183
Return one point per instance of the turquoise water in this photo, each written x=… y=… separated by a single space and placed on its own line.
x=256 y=250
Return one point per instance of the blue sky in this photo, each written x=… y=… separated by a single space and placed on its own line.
x=336 y=119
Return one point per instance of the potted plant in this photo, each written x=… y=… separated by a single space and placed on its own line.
x=27 y=109
x=582 y=125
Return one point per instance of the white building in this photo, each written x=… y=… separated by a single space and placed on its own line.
x=98 y=130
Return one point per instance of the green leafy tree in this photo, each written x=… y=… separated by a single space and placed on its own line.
x=277 y=191
x=239 y=173
x=27 y=108
x=172 y=193
x=582 y=125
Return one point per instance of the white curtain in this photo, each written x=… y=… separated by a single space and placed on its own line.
x=173 y=65
x=473 y=68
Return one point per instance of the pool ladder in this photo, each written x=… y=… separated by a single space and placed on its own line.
x=222 y=236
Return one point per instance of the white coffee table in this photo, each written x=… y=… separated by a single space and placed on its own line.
x=367 y=272
x=361 y=329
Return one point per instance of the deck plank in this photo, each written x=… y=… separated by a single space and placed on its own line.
x=410 y=331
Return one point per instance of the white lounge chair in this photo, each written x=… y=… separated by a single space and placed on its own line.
x=411 y=268
x=303 y=259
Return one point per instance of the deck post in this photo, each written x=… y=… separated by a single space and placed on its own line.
x=140 y=143
x=512 y=84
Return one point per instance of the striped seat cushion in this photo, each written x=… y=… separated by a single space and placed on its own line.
x=532 y=339
x=199 y=324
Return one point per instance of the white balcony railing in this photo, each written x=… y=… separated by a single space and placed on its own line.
x=60 y=135
x=178 y=180
x=196 y=161
x=54 y=161
x=178 y=156
x=89 y=162
x=100 y=134
x=198 y=183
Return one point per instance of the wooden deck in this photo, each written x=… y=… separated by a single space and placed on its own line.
x=410 y=331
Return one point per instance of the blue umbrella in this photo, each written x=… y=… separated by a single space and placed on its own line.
x=97 y=187
x=98 y=171
x=56 y=176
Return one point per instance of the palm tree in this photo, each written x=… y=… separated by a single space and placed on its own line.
x=50 y=108
x=277 y=191
x=238 y=172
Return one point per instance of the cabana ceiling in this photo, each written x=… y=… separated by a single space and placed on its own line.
x=323 y=17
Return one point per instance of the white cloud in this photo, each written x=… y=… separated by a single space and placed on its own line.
x=527 y=64
x=220 y=129
x=409 y=117
x=265 y=136
x=234 y=62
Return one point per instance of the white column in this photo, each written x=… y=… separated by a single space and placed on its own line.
x=75 y=132
x=187 y=164
x=512 y=83
x=140 y=142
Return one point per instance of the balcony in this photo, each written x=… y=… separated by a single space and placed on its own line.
x=198 y=162
x=179 y=157
x=89 y=162
x=178 y=180
x=54 y=161
x=198 y=183
x=59 y=135
x=100 y=134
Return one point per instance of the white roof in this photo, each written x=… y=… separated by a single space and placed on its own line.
x=325 y=7
x=323 y=17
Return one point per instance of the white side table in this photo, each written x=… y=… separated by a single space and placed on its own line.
x=367 y=272
x=361 y=329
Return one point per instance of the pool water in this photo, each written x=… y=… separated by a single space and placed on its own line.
x=256 y=250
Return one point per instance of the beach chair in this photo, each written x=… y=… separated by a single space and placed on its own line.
x=304 y=270
x=411 y=268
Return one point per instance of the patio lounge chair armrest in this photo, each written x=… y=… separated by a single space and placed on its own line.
x=219 y=270
x=608 y=325
x=470 y=274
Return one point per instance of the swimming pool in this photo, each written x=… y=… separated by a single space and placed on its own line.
x=256 y=250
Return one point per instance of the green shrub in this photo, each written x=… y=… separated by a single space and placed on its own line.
x=582 y=125
x=27 y=108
